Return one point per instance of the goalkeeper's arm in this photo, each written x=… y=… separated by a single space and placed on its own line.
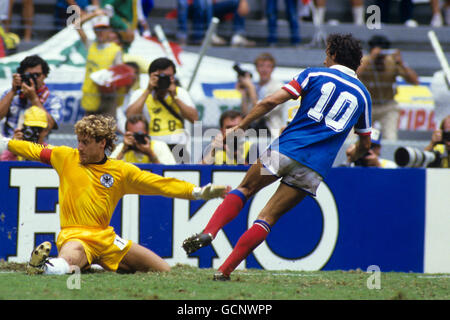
x=26 y=149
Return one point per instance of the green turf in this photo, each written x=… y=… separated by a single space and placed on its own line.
x=189 y=283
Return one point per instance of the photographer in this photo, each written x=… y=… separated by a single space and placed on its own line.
x=372 y=157
x=138 y=147
x=254 y=92
x=220 y=151
x=440 y=142
x=28 y=89
x=167 y=105
x=378 y=71
x=35 y=129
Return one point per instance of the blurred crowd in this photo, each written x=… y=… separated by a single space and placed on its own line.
x=129 y=15
x=152 y=118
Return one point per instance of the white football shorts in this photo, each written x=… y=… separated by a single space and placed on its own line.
x=291 y=172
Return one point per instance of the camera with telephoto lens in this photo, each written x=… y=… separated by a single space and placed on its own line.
x=163 y=81
x=27 y=77
x=240 y=72
x=31 y=133
x=140 y=137
x=416 y=158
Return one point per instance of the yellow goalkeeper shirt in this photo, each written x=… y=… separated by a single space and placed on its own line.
x=88 y=194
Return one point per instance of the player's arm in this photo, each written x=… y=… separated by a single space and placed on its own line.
x=26 y=149
x=360 y=148
x=147 y=183
x=265 y=106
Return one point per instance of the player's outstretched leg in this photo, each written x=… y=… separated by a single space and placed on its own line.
x=227 y=211
x=39 y=256
x=40 y=263
x=230 y=207
x=284 y=199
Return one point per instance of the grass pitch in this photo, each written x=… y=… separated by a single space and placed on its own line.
x=189 y=283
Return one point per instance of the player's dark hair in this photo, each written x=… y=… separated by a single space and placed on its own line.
x=161 y=64
x=345 y=50
x=33 y=61
x=232 y=114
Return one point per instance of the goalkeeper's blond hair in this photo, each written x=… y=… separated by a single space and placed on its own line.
x=98 y=127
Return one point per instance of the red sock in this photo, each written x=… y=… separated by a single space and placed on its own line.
x=252 y=238
x=227 y=211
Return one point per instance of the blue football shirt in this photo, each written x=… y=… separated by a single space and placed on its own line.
x=333 y=101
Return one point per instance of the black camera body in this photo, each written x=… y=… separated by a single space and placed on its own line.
x=27 y=77
x=163 y=81
x=445 y=136
x=140 y=137
x=31 y=133
x=241 y=72
x=362 y=162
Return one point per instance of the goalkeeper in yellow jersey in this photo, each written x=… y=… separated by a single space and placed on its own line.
x=90 y=186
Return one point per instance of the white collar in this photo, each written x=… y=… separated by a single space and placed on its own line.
x=344 y=69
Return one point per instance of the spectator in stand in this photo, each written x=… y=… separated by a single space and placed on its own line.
x=4 y=13
x=357 y=11
x=144 y=7
x=138 y=147
x=266 y=85
x=61 y=14
x=373 y=157
x=124 y=19
x=378 y=71
x=440 y=142
x=202 y=12
x=198 y=20
x=437 y=20
x=221 y=151
x=166 y=105
x=441 y=96
x=28 y=89
x=291 y=14
x=27 y=17
x=406 y=8
x=102 y=54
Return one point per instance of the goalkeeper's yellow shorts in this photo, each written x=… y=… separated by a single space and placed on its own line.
x=102 y=246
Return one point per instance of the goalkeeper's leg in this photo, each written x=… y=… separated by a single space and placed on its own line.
x=72 y=256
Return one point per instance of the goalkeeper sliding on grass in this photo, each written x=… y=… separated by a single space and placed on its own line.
x=90 y=186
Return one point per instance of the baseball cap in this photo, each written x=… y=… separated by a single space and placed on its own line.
x=101 y=21
x=35 y=117
x=375 y=136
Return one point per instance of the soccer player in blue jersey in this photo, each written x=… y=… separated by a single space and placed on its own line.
x=333 y=101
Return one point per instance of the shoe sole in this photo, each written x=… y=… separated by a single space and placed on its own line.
x=38 y=256
x=220 y=277
x=192 y=244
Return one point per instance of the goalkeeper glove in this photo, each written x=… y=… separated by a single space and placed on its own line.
x=3 y=144
x=209 y=191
